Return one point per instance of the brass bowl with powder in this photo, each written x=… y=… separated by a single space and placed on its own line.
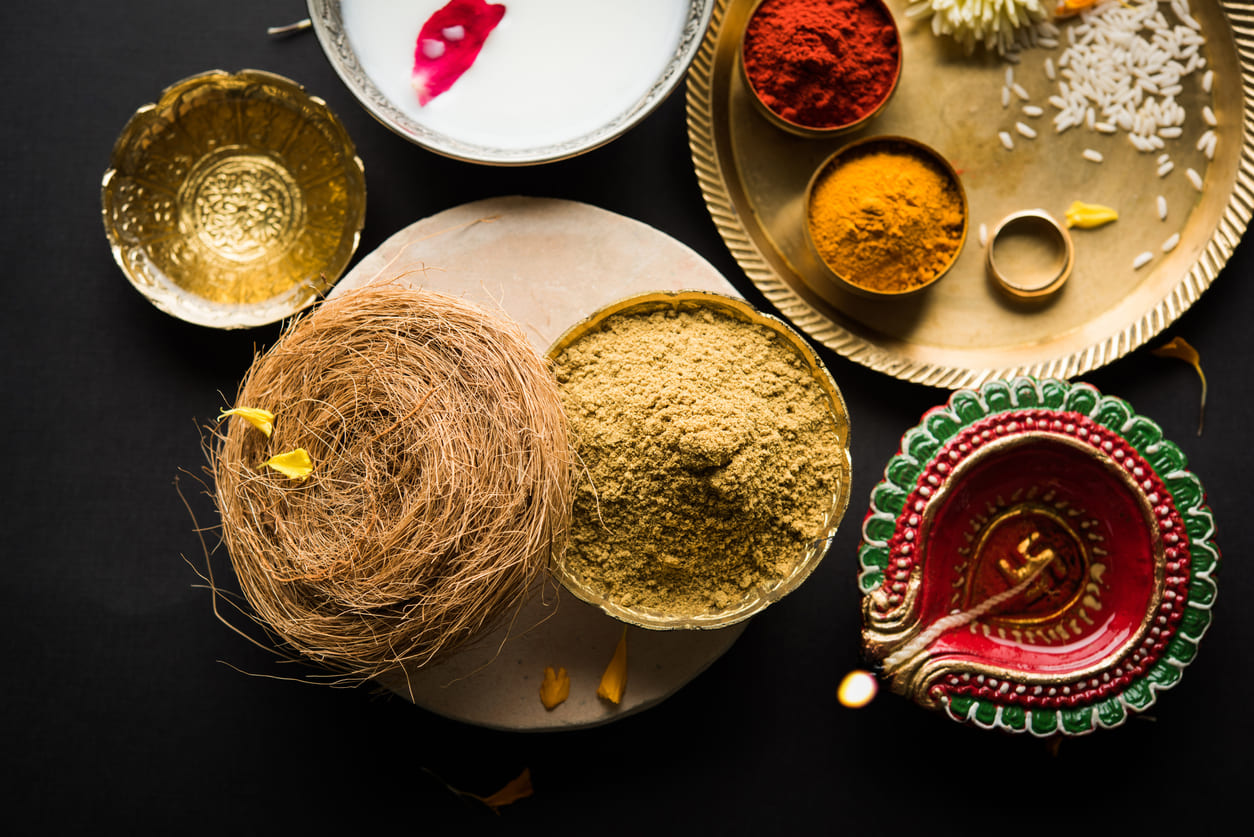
x=713 y=451
x=886 y=216
x=824 y=75
x=234 y=200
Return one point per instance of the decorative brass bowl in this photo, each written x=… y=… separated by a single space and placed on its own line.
x=801 y=129
x=761 y=595
x=842 y=277
x=1037 y=559
x=235 y=200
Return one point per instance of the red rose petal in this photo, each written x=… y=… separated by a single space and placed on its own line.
x=440 y=55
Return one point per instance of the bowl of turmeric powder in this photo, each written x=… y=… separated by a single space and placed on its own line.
x=886 y=216
x=714 y=459
x=820 y=67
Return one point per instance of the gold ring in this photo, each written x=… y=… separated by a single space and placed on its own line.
x=1030 y=255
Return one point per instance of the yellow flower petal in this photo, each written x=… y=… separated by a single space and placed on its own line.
x=857 y=689
x=1179 y=348
x=295 y=464
x=1089 y=215
x=614 y=680
x=516 y=789
x=263 y=420
x=555 y=687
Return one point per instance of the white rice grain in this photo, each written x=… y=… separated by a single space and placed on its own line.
x=1092 y=155
x=1025 y=130
x=1032 y=111
x=1020 y=91
x=1006 y=140
x=1209 y=150
x=1142 y=260
x=1005 y=97
x=1123 y=67
x=1194 y=178
x=1208 y=80
x=1164 y=169
x=1050 y=72
x=983 y=235
x=1170 y=243
x=1162 y=208
x=1208 y=116
x=1205 y=139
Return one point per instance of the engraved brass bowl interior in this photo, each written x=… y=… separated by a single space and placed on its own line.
x=234 y=200
x=760 y=597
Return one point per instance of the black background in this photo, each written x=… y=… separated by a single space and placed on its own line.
x=123 y=706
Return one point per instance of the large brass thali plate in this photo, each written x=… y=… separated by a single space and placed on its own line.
x=962 y=332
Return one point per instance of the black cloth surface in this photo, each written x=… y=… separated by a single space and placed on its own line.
x=126 y=705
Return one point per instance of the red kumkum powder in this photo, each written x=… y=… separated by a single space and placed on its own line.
x=821 y=63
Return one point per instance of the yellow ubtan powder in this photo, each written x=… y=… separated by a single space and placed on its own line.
x=886 y=218
x=711 y=459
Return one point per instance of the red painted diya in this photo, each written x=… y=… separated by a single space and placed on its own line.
x=1037 y=558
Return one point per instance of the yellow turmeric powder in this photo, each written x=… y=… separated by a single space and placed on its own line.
x=885 y=217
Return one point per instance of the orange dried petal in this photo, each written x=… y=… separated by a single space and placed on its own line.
x=554 y=688
x=1067 y=8
x=614 y=680
x=1179 y=348
x=516 y=789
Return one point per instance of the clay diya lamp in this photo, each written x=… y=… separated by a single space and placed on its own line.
x=1037 y=559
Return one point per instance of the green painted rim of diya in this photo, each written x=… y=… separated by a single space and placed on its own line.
x=904 y=477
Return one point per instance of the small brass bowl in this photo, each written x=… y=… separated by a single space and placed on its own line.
x=801 y=128
x=761 y=596
x=845 y=277
x=1030 y=255
x=235 y=200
